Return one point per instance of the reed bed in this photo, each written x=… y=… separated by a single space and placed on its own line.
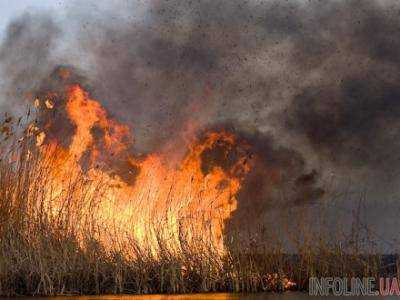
x=48 y=249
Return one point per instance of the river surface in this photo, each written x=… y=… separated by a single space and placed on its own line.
x=267 y=296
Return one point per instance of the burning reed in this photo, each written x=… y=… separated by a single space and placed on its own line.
x=72 y=221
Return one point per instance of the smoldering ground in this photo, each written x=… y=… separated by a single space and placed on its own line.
x=316 y=81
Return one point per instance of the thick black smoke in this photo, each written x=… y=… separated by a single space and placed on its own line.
x=187 y=61
x=356 y=124
x=329 y=71
x=351 y=115
x=316 y=82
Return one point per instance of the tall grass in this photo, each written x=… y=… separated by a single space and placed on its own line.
x=57 y=247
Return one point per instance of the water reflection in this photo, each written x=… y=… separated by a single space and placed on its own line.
x=211 y=296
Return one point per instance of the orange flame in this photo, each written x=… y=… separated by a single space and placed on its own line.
x=163 y=201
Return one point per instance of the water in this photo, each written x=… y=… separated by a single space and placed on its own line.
x=220 y=296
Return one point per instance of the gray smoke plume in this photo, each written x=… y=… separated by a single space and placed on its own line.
x=25 y=58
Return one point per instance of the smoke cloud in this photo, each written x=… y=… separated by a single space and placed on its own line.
x=25 y=58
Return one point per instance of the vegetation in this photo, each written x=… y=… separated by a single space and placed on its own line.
x=57 y=247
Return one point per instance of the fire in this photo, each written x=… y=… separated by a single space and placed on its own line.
x=144 y=198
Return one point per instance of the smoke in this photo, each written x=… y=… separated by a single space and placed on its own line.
x=187 y=61
x=350 y=113
x=310 y=72
x=311 y=85
x=25 y=58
